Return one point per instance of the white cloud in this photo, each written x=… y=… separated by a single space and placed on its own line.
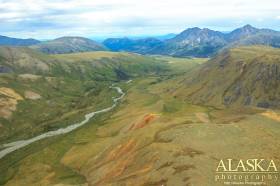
x=136 y=15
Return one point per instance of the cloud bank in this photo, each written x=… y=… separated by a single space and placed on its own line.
x=46 y=19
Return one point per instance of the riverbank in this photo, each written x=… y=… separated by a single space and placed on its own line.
x=13 y=146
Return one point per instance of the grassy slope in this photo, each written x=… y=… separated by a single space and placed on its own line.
x=180 y=144
x=152 y=138
x=35 y=153
x=69 y=88
x=245 y=76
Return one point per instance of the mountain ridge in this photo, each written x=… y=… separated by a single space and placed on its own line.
x=204 y=42
x=10 y=41
x=68 y=44
x=192 y=42
x=242 y=76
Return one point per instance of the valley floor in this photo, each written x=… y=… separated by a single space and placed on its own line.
x=152 y=138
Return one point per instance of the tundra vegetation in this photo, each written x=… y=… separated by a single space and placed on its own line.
x=178 y=119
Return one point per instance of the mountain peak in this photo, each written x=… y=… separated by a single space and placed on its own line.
x=242 y=32
x=194 y=29
x=248 y=27
x=188 y=32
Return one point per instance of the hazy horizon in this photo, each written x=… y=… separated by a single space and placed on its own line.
x=103 y=37
x=42 y=19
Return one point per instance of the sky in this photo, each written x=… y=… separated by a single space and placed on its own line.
x=48 y=19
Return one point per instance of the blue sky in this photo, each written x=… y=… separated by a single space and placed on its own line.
x=47 y=19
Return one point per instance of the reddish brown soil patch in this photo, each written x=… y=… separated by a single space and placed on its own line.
x=116 y=162
x=121 y=150
x=272 y=115
x=147 y=119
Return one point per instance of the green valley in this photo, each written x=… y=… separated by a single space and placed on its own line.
x=139 y=93
x=178 y=118
x=56 y=91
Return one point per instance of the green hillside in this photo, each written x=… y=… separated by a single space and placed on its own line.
x=66 y=45
x=171 y=128
x=41 y=92
x=244 y=76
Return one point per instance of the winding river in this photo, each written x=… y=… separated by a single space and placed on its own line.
x=13 y=146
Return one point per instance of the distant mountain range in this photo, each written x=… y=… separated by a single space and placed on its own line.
x=194 y=42
x=197 y=42
x=65 y=45
x=142 y=46
x=8 y=41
